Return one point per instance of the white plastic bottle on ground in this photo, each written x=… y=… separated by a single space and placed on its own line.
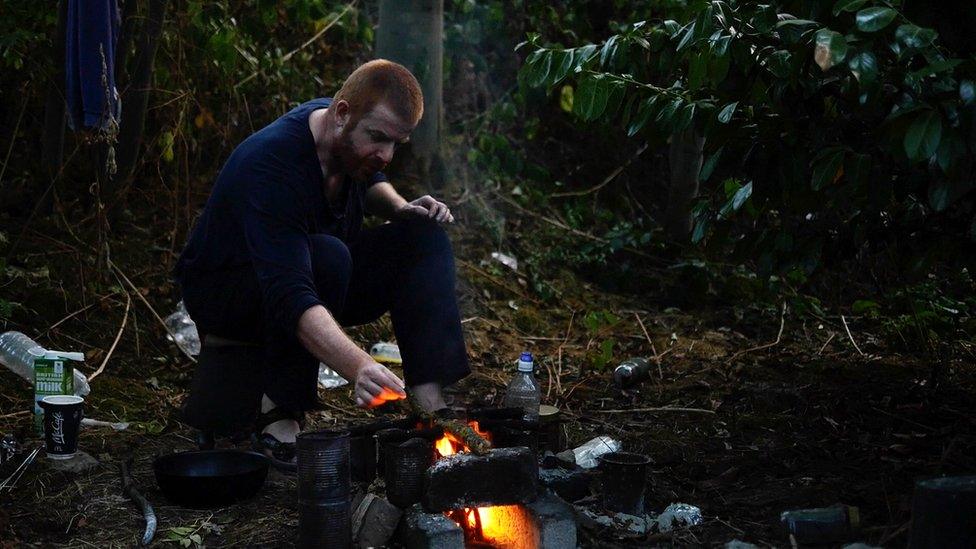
x=17 y=352
x=523 y=391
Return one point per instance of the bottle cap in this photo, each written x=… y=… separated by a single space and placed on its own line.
x=525 y=363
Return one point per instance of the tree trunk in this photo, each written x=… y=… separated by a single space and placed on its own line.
x=685 y=159
x=55 y=107
x=411 y=33
x=136 y=101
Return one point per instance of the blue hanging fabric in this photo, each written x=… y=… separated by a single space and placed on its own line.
x=91 y=34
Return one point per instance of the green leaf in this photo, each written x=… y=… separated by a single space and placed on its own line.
x=967 y=92
x=591 y=97
x=939 y=196
x=665 y=117
x=874 y=19
x=779 y=63
x=951 y=148
x=830 y=48
x=740 y=196
x=726 y=113
x=696 y=71
x=644 y=113
x=923 y=135
x=582 y=55
x=796 y=23
x=913 y=36
x=566 y=98
x=709 y=165
x=539 y=69
x=847 y=5
x=935 y=68
x=563 y=63
x=862 y=306
x=825 y=168
x=689 y=36
x=701 y=229
x=857 y=168
x=864 y=66
x=608 y=51
x=684 y=119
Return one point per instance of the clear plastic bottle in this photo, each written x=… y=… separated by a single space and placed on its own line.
x=17 y=352
x=523 y=391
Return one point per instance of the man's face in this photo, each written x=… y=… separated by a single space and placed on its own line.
x=368 y=146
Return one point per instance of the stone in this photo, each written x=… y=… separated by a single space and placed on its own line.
x=504 y=476
x=81 y=462
x=421 y=530
x=555 y=521
x=374 y=522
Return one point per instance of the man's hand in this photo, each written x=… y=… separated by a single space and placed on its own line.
x=375 y=384
x=425 y=207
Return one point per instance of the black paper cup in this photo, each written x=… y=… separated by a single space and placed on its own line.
x=624 y=476
x=62 y=419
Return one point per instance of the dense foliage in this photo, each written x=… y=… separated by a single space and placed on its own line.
x=848 y=130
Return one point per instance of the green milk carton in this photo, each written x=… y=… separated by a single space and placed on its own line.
x=53 y=375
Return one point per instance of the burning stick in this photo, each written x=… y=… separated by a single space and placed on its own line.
x=475 y=442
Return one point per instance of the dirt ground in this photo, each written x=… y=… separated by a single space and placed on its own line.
x=778 y=411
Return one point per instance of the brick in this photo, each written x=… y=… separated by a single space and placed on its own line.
x=569 y=484
x=504 y=476
x=421 y=530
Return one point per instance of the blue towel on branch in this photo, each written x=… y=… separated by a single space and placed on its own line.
x=91 y=34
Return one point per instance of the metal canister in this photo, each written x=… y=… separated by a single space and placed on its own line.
x=552 y=435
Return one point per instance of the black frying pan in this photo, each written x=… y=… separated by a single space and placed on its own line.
x=209 y=478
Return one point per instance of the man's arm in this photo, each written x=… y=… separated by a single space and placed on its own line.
x=384 y=201
x=323 y=337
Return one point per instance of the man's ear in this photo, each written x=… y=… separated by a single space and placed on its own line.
x=342 y=112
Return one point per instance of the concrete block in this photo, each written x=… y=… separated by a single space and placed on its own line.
x=569 y=484
x=504 y=476
x=374 y=522
x=555 y=521
x=421 y=530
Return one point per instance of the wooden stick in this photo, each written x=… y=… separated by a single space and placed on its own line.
x=782 y=322
x=118 y=335
x=607 y=180
x=829 y=339
x=655 y=358
x=475 y=442
x=849 y=336
x=150 y=307
x=659 y=409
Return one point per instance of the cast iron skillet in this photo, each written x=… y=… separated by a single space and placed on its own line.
x=210 y=478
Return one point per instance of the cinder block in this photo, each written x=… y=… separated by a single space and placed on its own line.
x=504 y=476
x=555 y=521
x=421 y=530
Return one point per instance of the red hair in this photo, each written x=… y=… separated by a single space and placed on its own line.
x=386 y=82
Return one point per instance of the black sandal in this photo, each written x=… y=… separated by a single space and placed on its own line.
x=281 y=454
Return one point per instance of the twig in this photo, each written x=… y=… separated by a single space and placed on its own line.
x=15 y=414
x=658 y=409
x=13 y=138
x=495 y=280
x=613 y=175
x=129 y=489
x=475 y=442
x=829 y=339
x=901 y=529
x=76 y=313
x=848 y=330
x=285 y=58
x=577 y=232
x=150 y=307
x=782 y=322
x=118 y=335
x=655 y=358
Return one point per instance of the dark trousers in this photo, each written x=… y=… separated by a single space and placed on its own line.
x=406 y=268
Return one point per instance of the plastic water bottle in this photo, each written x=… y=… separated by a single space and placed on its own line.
x=18 y=352
x=523 y=391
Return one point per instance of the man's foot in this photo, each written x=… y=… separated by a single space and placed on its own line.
x=279 y=429
x=429 y=396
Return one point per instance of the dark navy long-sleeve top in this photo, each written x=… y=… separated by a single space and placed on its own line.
x=268 y=198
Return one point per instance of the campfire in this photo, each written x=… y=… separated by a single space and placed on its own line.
x=508 y=526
